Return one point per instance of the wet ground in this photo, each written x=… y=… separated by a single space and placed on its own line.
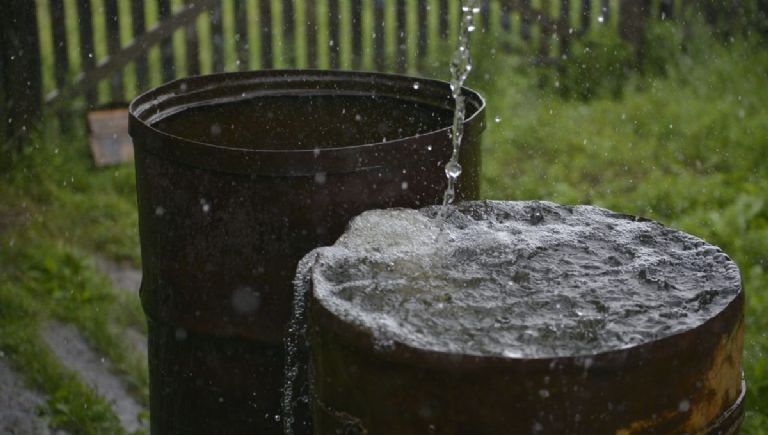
x=20 y=406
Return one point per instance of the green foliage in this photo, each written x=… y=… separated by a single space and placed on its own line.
x=597 y=66
x=57 y=211
x=662 y=46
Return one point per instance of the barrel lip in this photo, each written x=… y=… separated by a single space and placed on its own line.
x=359 y=336
x=181 y=94
x=637 y=355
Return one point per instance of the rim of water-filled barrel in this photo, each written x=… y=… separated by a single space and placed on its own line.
x=181 y=94
x=362 y=339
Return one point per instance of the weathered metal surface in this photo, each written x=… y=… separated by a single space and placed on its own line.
x=689 y=382
x=231 y=196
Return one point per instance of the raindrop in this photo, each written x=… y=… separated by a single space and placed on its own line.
x=600 y=19
x=216 y=129
x=159 y=210
x=684 y=405
x=543 y=393
x=429 y=147
x=453 y=169
x=404 y=185
x=416 y=85
x=497 y=119
x=180 y=334
x=205 y=205
x=320 y=178
x=246 y=300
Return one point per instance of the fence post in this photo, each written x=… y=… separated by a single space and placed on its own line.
x=633 y=16
x=666 y=9
x=139 y=27
x=87 y=54
x=401 y=49
x=20 y=83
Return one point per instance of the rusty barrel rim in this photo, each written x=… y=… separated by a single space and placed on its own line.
x=730 y=314
x=631 y=356
x=181 y=94
x=673 y=366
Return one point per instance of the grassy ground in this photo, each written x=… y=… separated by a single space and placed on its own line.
x=57 y=211
x=685 y=147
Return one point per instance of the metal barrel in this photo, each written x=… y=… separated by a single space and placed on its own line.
x=686 y=383
x=239 y=175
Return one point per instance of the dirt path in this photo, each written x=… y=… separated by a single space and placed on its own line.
x=69 y=347
x=19 y=406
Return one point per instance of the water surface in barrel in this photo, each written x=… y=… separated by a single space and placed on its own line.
x=520 y=279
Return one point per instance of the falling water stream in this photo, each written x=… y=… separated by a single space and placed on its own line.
x=461 y=65
x=296 y=348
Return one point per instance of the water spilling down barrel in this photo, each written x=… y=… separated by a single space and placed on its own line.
x=240 y=175
x=522 y=318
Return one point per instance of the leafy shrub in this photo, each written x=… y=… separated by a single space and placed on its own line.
x=598 y=65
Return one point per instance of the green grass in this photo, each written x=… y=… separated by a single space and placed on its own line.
x=57 y=213
x=685 y=146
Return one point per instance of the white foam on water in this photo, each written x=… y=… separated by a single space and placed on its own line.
x=522 y=279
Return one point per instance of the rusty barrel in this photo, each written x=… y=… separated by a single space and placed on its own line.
x=374 y=375
x=238 y=176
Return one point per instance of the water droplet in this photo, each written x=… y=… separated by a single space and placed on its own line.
x=416 y=85
x=246 y=300
x=543 y=393
x=180 y=334
x=684 y=405
x=429 y=147
x=159 y=210
x=404 y=185
x=497 y=119
x=600 y=19
x=453 y=169
x=320 y=178
x=216 y=129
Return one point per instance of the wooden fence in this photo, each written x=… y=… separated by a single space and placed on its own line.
x=73 y=54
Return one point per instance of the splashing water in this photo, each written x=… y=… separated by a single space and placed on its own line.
x=461 y=65
x=297 y=350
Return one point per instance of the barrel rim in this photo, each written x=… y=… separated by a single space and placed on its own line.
x=360 y=337
x=175 y=96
